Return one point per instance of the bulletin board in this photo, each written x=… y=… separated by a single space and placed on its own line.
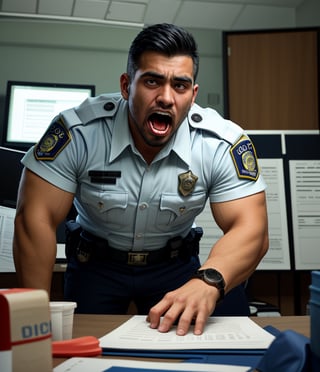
x=290 y=164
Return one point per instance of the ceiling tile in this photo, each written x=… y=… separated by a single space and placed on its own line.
x=18 y=6
x=161 y=11
x=90 y=9
x=207 y=15
x=126 y=11
x=56 y=7
x=284 y=3
x=265 y=17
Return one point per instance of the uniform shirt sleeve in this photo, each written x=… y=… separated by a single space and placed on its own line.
x=61 y=171
x=226 y=184
x=229 y=163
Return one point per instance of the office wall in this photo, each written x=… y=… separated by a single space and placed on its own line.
x=49 y=51
x=88 y=53
x=308 y=13
x=96 y=54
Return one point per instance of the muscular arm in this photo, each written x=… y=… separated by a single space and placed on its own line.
x=245 y=240
x=40 y=208
x=235 y=255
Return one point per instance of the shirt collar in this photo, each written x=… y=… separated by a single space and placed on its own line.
x=181 y=144
x=121 y=138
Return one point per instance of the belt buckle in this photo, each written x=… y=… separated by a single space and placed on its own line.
x=138 y=259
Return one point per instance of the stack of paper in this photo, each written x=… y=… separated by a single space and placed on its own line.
x=221 y=333
x=115 y=365
x=228 y=344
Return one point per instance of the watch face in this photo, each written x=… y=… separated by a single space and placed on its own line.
x=212 y=276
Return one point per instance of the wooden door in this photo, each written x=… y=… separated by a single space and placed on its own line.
x=272 y=79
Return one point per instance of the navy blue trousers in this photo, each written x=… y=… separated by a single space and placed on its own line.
x=109 y=287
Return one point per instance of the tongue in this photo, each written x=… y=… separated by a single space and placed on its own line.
x=159 y=127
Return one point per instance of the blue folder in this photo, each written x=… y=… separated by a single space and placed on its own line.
x=240 y=357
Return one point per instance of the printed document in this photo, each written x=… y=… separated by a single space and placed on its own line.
x=220 y=333
x=98 y=365
x=278 y=255
x=7 y=216
x=6 y=236
x=305 y=202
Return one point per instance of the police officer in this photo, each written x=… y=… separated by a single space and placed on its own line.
x=139 y=167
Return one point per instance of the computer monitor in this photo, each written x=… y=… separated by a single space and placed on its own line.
x=10 y=170
x=30 y=107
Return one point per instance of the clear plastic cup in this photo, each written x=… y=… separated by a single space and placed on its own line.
x=62 y=313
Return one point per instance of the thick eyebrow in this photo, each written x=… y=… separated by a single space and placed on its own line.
x=156 y=75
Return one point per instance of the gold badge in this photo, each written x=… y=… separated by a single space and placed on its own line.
x=249 y=161
x=187 y=182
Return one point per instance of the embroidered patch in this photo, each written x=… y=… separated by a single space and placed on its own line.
x=53 y=141
x=245 y=159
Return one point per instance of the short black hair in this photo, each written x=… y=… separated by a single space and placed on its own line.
x=164 y=38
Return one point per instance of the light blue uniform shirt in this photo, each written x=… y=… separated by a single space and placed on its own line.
x=132 y=204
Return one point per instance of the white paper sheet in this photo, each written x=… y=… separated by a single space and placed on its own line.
x=6 y=235
x=99 y=365
x=305 y=199
x=278 y=255
x=6 y=238
x=220 y=333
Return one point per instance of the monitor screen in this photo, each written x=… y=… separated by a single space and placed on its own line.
x=31 y=106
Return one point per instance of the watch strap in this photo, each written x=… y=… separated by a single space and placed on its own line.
x=219 y=284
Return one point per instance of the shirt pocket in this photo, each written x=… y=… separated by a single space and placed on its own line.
x=175 y=210
x=107 y=206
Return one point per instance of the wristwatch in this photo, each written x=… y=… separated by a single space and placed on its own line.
x=212 y=277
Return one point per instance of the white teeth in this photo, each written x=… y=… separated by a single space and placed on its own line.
x=163 y=113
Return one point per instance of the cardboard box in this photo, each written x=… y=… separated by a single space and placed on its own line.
x=25 y=329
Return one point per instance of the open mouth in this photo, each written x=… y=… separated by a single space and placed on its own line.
x=159 y=124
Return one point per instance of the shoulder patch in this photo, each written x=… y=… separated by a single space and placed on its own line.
x=53 y=141
x=244 y=158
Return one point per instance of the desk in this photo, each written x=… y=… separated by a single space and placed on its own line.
x=99 y=325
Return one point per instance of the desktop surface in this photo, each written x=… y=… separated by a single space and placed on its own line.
x=99 y=325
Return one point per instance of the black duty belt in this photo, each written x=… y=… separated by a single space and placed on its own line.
x=91 y=247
